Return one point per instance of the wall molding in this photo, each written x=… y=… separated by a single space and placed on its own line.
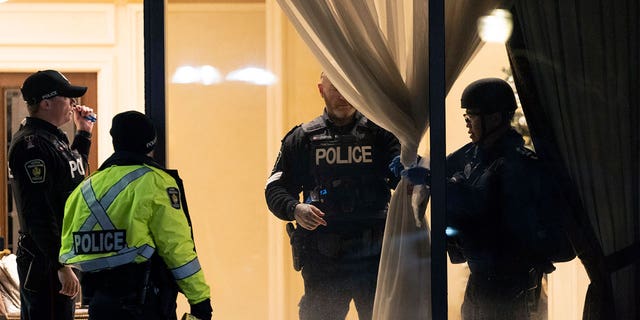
x=116 y=57
x=57 y=24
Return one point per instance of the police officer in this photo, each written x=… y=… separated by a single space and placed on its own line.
x=127 y=229
x=45 y=168
x=339 y=163
x=482 y=171
x=503 y=210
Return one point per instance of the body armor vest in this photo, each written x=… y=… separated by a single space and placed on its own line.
x=346 y=179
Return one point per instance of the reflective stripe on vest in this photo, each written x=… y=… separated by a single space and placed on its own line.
x=186 y=270
x=99 y=207
x=99 y=215
x=125 y=256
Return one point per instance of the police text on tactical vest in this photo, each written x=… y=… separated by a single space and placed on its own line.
x=354 y=154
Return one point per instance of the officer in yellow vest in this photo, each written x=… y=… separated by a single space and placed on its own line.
x=127 y=229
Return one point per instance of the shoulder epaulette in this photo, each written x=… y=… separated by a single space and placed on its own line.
x=314 y=125
x=291 y=131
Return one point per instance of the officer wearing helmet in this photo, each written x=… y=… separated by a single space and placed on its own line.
x=127 y=229
x=490 y=105
x=504 y=210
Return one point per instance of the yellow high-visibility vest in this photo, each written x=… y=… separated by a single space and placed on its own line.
x=124 y=214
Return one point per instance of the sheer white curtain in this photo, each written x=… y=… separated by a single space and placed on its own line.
x=375 y=52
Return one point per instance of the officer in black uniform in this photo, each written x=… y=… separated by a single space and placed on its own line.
x=339 y=162
x=503 y=210
x=45 y=168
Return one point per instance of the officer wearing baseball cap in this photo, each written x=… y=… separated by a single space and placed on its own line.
x=45 y=168
x=127 y=228
x=48 y=84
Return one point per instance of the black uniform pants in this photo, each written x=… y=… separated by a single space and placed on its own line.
x=337 y=271
x=502 y=297
x=39 y=286
x=119 y=294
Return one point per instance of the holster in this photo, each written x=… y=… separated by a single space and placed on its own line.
x=297 y=246
x=163 y=287
x=28 y=257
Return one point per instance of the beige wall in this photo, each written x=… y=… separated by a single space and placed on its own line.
x=216 y=138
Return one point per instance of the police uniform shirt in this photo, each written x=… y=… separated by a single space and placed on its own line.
x=44 y=170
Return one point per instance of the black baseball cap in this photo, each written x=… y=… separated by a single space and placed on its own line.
x=48 y=84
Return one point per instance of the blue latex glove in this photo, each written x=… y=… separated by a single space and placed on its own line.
x=418 y=175
x=396 y=167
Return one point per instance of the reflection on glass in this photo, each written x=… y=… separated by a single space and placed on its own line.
x=206 y=75
x=209 y=75
x=253 y=75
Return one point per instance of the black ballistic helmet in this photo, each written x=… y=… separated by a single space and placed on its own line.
x=489 y=95
x=134 y=132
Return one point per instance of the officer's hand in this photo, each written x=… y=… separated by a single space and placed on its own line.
x=396 y=166
x=418 y=175
x=202 y=310
x=79 y=117
x=69 y=282
x=309 y=216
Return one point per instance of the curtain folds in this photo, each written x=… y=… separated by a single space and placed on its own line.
x=375 y=53
x=578 y=76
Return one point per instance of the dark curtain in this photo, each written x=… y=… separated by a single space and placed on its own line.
x=576 y=64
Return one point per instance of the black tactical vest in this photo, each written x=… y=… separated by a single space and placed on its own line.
x=347 y=182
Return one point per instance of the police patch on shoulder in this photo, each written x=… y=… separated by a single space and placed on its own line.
x=36 y=170
x=174 y=197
